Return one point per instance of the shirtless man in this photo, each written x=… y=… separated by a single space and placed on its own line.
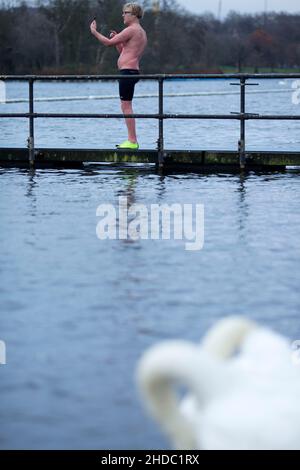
x=130 y=43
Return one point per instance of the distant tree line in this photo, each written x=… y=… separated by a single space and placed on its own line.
x=54 y=37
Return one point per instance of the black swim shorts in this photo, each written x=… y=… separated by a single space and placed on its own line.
x=126 y=85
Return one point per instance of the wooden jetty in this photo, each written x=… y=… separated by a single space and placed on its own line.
x=164 y=159
x=179 y=160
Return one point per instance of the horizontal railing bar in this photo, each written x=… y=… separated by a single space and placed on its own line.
x=237 y=76
x=247 y=116
x=80 y=116
x=274 y=117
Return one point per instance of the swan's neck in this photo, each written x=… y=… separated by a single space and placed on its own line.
x=177 y=363
x=227 y=336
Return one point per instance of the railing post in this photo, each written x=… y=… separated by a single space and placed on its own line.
x=160 y=122
x=242 y=145
x=31 y=124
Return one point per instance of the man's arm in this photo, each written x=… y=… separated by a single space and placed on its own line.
x=119 y=47
x=118 y=39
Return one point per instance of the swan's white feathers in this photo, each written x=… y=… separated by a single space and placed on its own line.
x=248 y=401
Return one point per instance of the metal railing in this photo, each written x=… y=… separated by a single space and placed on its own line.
x=242 y=115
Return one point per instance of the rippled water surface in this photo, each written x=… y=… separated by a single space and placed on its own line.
x=77 y=312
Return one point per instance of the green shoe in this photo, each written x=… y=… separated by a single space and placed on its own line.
x=128 y=145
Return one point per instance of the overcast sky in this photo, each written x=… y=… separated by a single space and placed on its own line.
x=253 y=6
x=213 y=6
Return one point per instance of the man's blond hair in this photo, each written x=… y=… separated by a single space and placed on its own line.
x=136 y=9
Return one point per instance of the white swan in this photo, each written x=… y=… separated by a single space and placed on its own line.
x=246 y=401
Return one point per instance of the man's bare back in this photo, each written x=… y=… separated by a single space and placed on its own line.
x=132 y=50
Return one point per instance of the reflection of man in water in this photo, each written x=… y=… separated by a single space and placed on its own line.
x=130 y=43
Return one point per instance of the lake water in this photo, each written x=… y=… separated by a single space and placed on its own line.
x=77 y=312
